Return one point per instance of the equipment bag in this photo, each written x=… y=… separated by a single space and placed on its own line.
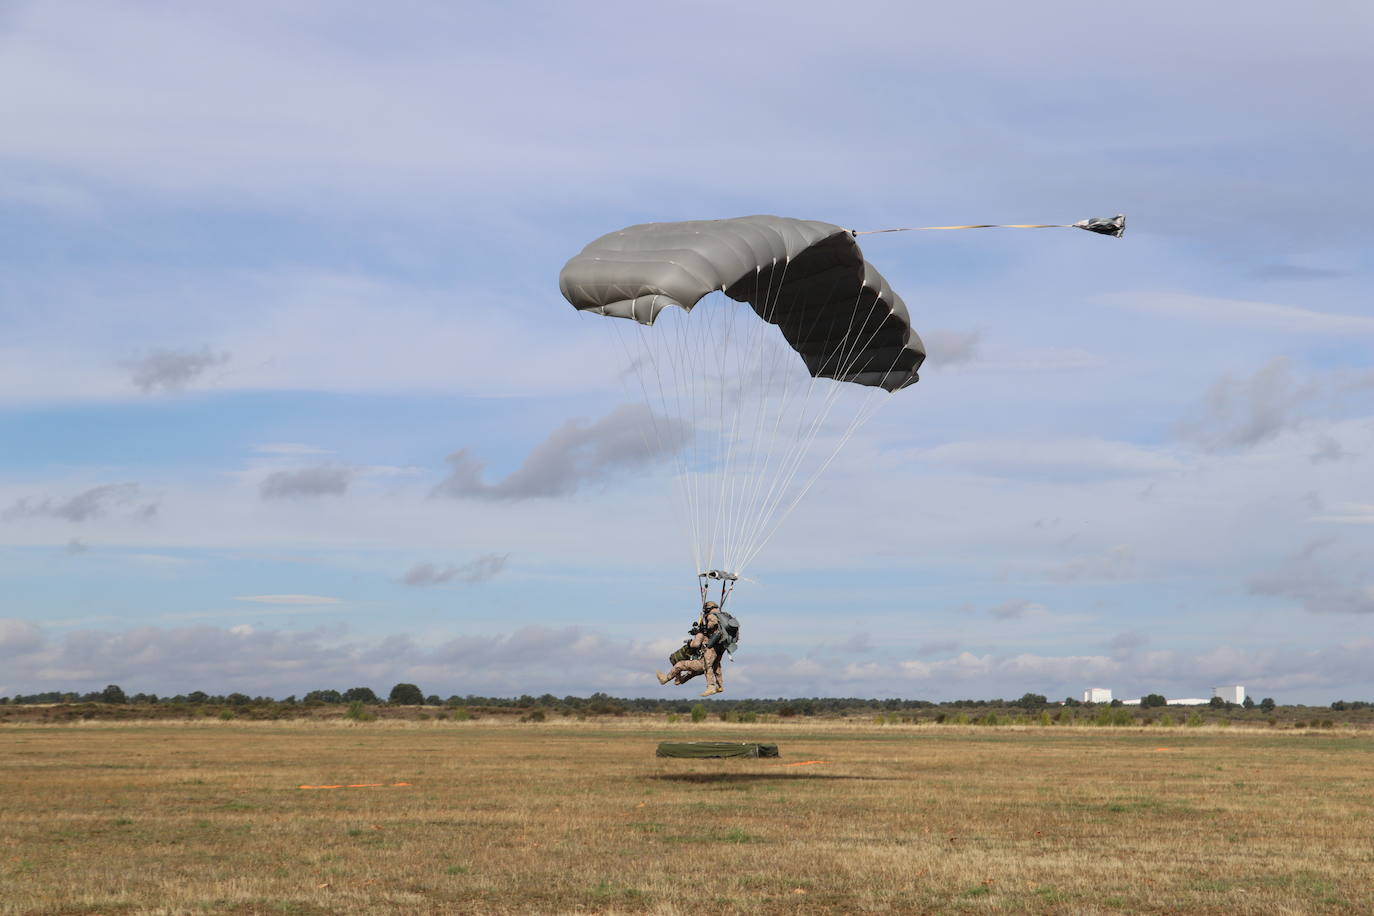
x=727 y=637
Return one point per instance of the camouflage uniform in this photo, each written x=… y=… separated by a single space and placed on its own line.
x=685 y=670
x=710 y=655
x=707 y=660
x=714 y=675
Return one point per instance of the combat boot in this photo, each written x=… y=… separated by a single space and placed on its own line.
x=712 y=690
x=662 y=678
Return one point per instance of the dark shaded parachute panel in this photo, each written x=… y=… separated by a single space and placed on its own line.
x=808 y=278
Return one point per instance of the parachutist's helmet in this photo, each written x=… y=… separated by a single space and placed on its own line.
x=710 y=606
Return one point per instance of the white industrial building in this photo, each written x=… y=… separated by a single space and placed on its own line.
x=1232 y=693
x=1187 y=701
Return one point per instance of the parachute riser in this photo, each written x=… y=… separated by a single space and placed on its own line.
x=727 y=584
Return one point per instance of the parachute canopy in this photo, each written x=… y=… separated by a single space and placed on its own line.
x=809 y=278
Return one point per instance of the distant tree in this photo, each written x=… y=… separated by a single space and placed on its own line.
x=1267 y=704
x=1217 y=703
x=1249 y=702
x=112 y=694
x=197 y=696
x=360 y=694
x=1070 y=701
x=1116 y=703
x=238 y=699
x=323 y=696
x=698 y=713
x=1153 y=699
x=406 y=695
x=1031 y=701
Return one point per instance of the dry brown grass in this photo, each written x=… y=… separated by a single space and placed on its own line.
x=555 y=818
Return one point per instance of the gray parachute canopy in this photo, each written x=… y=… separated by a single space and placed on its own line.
x=808 y=278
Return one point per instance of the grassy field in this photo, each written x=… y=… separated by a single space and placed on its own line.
x=580 y=816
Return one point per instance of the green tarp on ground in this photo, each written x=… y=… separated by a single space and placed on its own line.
x=715 y=749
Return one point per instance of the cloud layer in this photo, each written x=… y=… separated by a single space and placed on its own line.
x=537 y=659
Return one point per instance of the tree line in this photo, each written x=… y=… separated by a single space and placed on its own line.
x=406 y=694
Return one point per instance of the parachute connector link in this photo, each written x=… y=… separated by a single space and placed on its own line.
x=718 y=574
x=727 y=582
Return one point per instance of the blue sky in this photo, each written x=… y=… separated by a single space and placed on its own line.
x=266 y=267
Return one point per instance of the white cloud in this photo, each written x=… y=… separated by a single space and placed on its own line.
x=171 y=369
x=950 y=348
x=1349 y=513
x=575 y=453
x=1077 y=459
x=1244 y=315
x=93 y=503
x=1325 y=576
x=19 y=636
x=1117 y=564
x=306 y=482
x=289 y=448
x=473 y=572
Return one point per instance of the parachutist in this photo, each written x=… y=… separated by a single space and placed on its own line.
x=714 y=633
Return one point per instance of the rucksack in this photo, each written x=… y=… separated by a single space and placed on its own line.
x=728 y=636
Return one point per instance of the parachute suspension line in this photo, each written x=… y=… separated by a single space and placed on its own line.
x=686 y=382
x=692 y=417
x=725 y=467
x=806 y=433
x=732 y=493
x=718 y=345
x=760 y=455
x=794 y=451
x=770 y=426
x=637 y=364
x=865 y=414
x=742 y=485
x=861 y=417
x=847 y=361
x=970 y=226
x=736 y=490
x=765 y=482
x=686 y=425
